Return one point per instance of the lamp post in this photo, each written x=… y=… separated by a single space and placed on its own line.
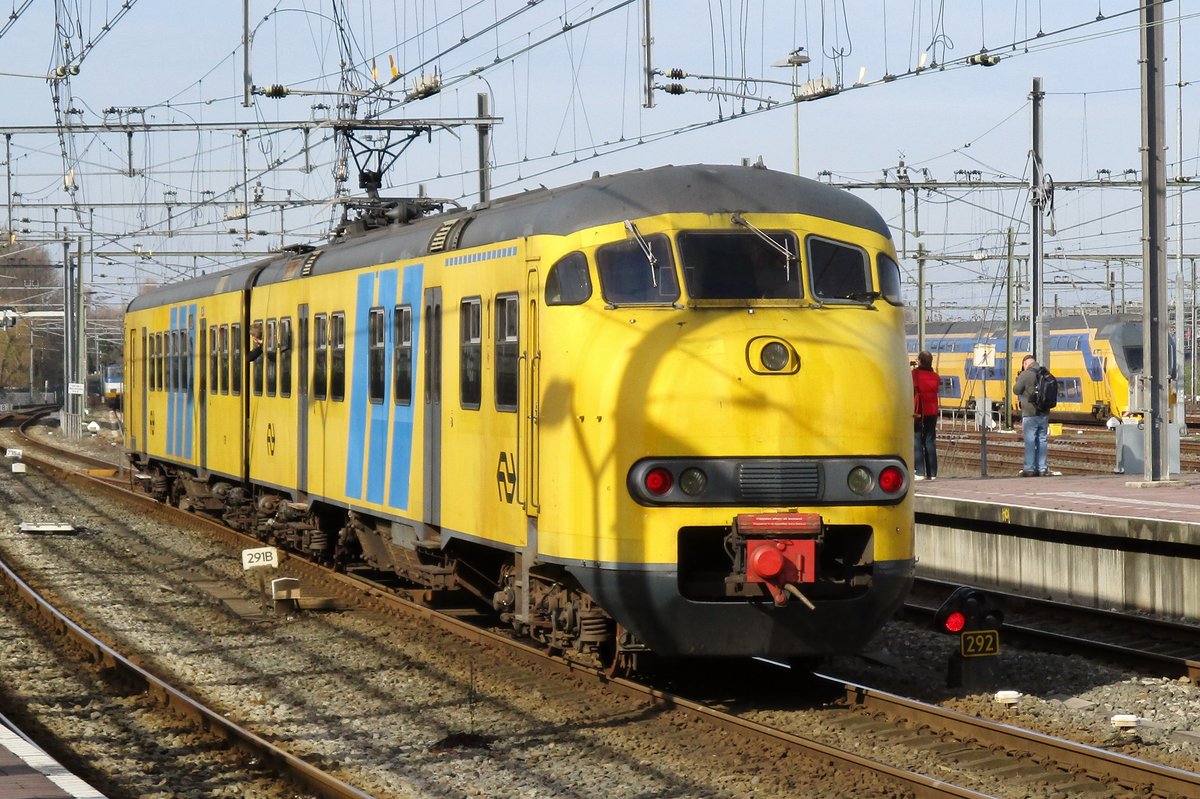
x=795 y=60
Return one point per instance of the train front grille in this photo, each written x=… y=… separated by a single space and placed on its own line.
x=778 y=482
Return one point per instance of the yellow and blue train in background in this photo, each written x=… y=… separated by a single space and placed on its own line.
x=1095 y=359
x=649 y=412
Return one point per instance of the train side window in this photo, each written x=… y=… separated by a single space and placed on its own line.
x=224 y=367
x=402 y=368
x=185 y=365
x=628 y=277
x=173 y=361
x=214 y=359
x=270 y=351
x=320 y=379
x=285 y=356
x=159 y=370
x=235 y=359
x=889 y=279
x=838 y=271
x=470 y=361
x=257 y=373
x=508 y=313
x=376 y=354
x=337 y=366
x=151 y=361
x=144 y=373
x=569 y=282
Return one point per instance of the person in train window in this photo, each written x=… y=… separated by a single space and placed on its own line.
x=256 y=342
x=925 y=416
x=1035 y=424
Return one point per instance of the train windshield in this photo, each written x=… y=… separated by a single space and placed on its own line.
x=740 y=266
x=638 y=271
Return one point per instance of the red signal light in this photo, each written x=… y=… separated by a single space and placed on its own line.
x=891 y=479
x=954 y=622
x=658 y=481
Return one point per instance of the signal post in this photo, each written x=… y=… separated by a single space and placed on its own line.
x=975 y=617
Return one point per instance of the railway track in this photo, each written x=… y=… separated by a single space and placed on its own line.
x=917 y=740
x=1151 y=644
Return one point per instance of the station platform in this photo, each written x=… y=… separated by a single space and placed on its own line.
x=1117 y=496
x=26 y=772
x=1108 y=541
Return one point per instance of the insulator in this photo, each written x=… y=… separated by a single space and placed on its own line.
x=674 y=88
x=275 y=91
x=676 y=73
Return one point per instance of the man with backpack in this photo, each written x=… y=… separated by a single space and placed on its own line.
x=1035 y=414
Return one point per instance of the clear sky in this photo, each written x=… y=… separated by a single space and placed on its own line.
x=566 y=78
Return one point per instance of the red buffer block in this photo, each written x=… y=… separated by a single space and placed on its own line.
x=784 y=559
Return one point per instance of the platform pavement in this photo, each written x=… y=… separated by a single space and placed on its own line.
x=26 y=772
x=1099 y=540
x=1176 y=500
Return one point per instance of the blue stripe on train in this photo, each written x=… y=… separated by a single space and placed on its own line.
x=355 y=445
x=377 y=451
x=402 y=420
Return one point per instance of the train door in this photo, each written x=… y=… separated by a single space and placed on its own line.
x=302 y=402
x=433 y=406
x=529 y=416
x=202 y=393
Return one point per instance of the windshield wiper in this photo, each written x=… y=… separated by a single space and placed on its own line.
x=861 y=296
x=788 y=257
x=645 y=245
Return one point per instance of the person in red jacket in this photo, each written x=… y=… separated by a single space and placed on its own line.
x=925 y=417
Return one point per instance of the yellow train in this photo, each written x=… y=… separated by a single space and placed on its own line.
x=651 y=412
x=1094 y=358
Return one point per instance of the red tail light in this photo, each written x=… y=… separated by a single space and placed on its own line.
x=658 y=481
x=891 y=479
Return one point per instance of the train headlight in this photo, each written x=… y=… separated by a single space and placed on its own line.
x=693 y=481
x=775 y=357
x=658 y=481
x=891 y=479
x=860 y=480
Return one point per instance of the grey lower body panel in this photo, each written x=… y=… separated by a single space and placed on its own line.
x=649 y=604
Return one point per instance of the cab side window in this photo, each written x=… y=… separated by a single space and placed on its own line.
x=470 y=352
x=376 y=354
x=507 y=335
x=337 y=343
x=402 y=371
x=569 y=282
x=320 y=379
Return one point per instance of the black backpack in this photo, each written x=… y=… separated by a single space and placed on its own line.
x=1045 y=390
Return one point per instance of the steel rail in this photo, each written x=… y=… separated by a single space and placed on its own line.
x=108 y=659
x=1130 y=771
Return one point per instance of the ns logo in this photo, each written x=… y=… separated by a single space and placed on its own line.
x=506 y=477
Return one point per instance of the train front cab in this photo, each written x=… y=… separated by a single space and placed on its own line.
x=640 y=381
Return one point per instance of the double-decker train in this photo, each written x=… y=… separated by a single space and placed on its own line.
x=1095 y=359
x=651 y=412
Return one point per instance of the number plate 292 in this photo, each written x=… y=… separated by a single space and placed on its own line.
x=979 y=643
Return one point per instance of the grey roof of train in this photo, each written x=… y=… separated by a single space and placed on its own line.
x=628 y=195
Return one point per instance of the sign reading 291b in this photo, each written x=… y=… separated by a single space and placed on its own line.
x=260 y=556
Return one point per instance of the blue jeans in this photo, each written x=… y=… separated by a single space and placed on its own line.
x=1035 y=429
x=925 y=446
